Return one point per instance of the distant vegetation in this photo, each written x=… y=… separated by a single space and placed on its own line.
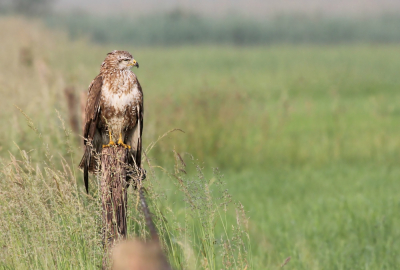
x=26 y=7
x=179 y=28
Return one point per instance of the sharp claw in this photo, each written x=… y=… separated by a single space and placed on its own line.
x=124 y=145
x=111 y=143
x=121 y=142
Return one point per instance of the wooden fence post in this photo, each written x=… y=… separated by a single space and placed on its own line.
x=114 y=202
x=113 y=197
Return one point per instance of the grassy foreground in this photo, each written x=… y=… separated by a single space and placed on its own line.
x=306 y=137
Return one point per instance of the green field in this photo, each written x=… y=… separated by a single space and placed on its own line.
x=307 y=138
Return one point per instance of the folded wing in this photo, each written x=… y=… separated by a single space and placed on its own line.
x=135 y=135
x=92 y=116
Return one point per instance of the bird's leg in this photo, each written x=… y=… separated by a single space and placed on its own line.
x=111 y=143
x=121 y=142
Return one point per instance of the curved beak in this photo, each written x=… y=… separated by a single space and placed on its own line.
x=134 y=63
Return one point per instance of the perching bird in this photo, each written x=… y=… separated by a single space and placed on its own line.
x=114 y=112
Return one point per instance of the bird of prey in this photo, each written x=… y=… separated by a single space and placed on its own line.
x=114 y=112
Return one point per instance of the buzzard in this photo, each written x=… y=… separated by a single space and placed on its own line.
x=114 y=112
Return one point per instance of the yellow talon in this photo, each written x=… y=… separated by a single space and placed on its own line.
x=111 y=143
x=121 y=142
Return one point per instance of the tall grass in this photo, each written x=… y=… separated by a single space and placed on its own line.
x=48 y=222
x=202 y=232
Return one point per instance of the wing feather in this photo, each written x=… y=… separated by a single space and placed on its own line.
x=135 y=135
x=92 y=115
x=140 y=114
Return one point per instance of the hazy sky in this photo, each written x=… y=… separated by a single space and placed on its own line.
x=258 y=8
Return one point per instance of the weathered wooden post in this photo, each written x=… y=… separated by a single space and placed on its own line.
x=114 y=203
x=113 y=197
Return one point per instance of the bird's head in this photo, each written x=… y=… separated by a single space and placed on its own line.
x=122 y=60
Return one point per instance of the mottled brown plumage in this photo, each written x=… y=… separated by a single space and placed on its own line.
x=114 y=111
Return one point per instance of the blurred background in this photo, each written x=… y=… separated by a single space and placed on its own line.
x=218 y=22
x=296 y=102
